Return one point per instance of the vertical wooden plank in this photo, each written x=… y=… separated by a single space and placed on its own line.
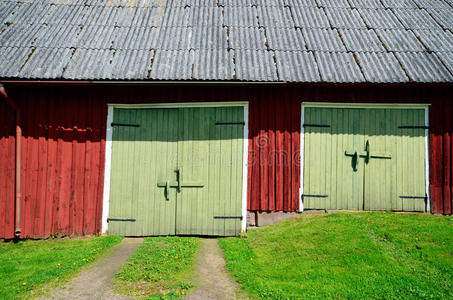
x=40 y=207
x=331 y=157
x=7 y=168
x=79 y=149
x=399 y=160
x=4 y=162
x=447 y=161
x=226 y=167
x=253 y=159
x=335 y=158
x=346 y=171
x=92 y=165
x=214 y=148
x=354 y=139
x=405 y=166
x=295 y=152
x=218 y=224
x=100 y=138
x=435 y=157
x=263 y=145
x=155 y=176
x=315 y=181
x=341 y=159
x=394 y=132
x=279 y=160
x=224 y=195
x=139 y=173
x=202 y=162
x=65 y=197
x=238 y=162
x=273 y=105
x=322 y=158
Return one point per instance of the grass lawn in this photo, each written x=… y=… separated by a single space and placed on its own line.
x=161 y=268
x=346 y=255
x=30 y=265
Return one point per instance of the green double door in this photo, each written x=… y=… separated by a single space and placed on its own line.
x=176 y=171
x=364 y=159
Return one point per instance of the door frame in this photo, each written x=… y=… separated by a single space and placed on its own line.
x=108 y=148
x=364 y=105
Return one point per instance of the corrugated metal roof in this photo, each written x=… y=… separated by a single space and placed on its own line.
x=447 y=59
x=401 y=40
x=245 y=40
x=361 y=40
x=329 y=62
x=344 y=18
x=424 y=67
x=323 y=39
x=436 y=40
x=297 y=66
x=399 y=4
x=375 y=71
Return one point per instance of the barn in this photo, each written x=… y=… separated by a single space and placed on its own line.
x=198 y=117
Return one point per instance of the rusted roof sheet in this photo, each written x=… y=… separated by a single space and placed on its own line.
x=230 y=40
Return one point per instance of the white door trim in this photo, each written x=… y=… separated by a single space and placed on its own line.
x=365 y=105
x=108 y=149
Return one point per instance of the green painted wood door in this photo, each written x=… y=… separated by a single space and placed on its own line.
x=210 y=147
x=395 y=172
x=141 y=157
x=330 y=179
x=180 y=172
x=364 y=159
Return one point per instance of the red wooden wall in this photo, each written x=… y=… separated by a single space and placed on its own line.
x=64 y=140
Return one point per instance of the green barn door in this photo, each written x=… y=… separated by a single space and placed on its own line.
x=395 y=171
x=333 y=174
x=176 y=171
x=144 y=155
x=371 y=159
x=210 y=145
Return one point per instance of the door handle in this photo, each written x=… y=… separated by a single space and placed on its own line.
x=355 y=160
x=367 y=149
x=178 y=179
x=166 y=190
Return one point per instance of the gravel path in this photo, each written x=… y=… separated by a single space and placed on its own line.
x=213 y=280
x=95 y=282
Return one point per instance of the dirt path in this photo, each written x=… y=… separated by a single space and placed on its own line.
x=95 y=282
x=213 y=280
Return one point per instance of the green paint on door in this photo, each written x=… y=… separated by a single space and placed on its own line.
x=360 y=159
x=178 y=173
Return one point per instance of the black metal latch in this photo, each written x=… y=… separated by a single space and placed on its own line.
x=316 y=125
x=124 y=125
x=228 y=217
x=230 y=123
x=121 y=220
x=413 y=127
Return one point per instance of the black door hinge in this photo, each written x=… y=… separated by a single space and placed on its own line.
x=124 y=125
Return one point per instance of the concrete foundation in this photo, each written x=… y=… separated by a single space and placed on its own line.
x=258 y=219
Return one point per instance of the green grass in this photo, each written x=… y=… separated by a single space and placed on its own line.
x=31 y=265
x=346 y=255
x=161 y=268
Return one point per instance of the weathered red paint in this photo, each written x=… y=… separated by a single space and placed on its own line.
x=64 y=143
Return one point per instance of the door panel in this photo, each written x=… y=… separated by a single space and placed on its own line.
x=142 y=157
x=331 y=181
x=380 y=187
x=210 y=156
x=412 y=142
x=389 y=179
